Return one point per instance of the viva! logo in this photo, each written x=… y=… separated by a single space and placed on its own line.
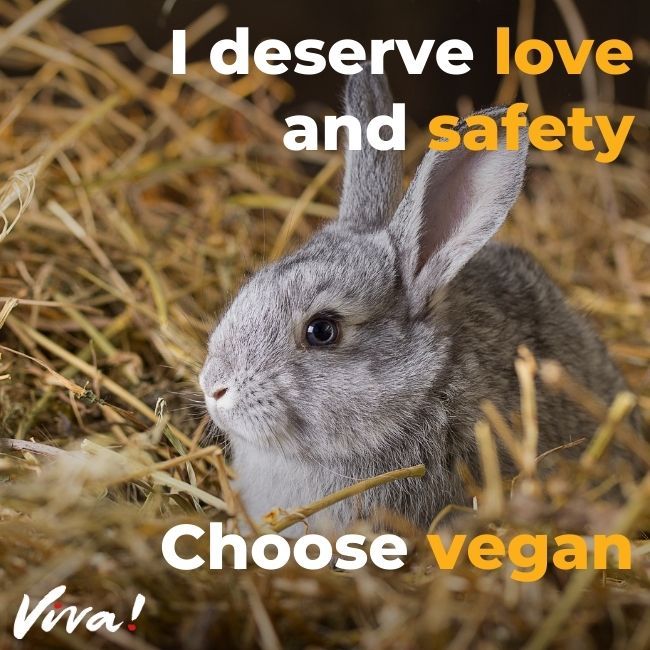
x=52 y=612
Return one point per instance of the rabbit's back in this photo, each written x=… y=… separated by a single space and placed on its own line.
x=503 y=299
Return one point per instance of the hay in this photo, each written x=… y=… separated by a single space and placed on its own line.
x=134 y=204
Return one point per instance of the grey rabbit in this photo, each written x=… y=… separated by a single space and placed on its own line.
x=371 y=347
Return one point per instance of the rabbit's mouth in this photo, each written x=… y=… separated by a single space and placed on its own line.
x=260 y=424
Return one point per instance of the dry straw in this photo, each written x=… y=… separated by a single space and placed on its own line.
x=141 y=202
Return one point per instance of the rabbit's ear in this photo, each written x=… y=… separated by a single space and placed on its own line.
x=456 y=202
x=372 y=184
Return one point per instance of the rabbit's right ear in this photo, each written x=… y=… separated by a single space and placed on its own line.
x=372 y=184
x=456 y=202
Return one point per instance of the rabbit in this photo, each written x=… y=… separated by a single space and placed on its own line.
x=372 y=347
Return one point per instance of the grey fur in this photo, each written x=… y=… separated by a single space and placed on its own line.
x=431 y=321
x=365 y=203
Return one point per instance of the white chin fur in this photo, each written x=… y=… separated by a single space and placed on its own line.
x=235 y=430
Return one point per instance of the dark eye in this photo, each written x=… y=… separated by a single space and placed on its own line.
x=322 y=330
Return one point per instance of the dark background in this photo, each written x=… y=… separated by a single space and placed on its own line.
x=433 y=92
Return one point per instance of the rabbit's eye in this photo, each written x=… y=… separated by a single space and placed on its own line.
x=322 y=330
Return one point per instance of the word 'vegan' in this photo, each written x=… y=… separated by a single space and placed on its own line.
x=488 y=552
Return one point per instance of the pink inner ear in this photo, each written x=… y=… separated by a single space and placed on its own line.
x=448 y=197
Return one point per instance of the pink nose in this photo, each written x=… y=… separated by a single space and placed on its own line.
x=219 y=393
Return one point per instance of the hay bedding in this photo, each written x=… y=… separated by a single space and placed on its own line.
x=134 y=204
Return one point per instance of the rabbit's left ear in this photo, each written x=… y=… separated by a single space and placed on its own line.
x=372 y=184
x=456 y=202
